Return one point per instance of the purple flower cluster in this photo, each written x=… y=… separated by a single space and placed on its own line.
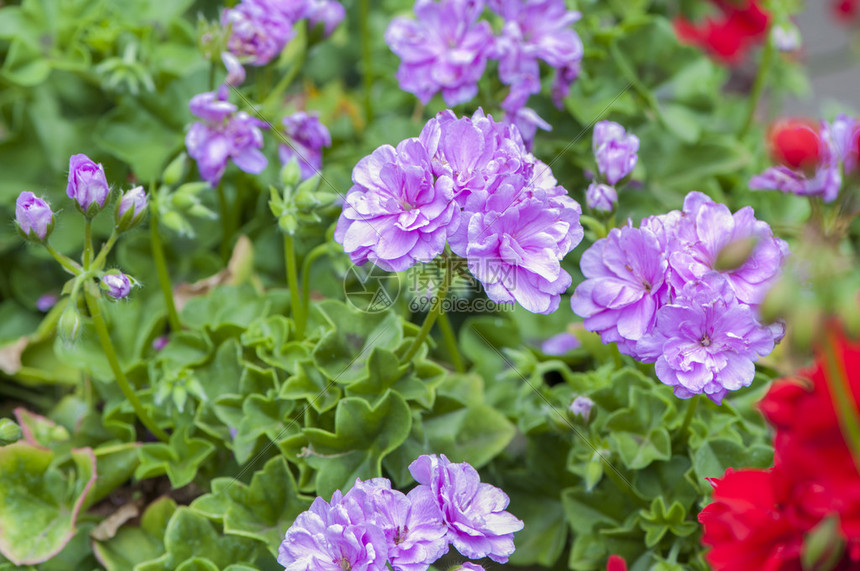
x=224 y=133
x=615 y=151
x=657 y=292
x=373 y=526
x=837 y=155
x=469 y=182
x=260 y=29
x=446 y=49
x=307 y=137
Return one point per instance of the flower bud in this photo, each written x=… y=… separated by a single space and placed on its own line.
x=735 y=254
x=117 y=285
x=796 y=143
x=87 y=186
x=175 y=170
x=9 y=431
x=235 y=71
x=291 y=173
x=34 y=217
x=69 y=325
x=581 y=406
x=601 y=197
x=823 y=546
x=131 y=209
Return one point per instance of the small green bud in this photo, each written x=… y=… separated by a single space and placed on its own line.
x=69 y=325
x=173 y=220
x=288 y=224
x=291 y=173
x=9 y=431
x=175 y=171
x=778 y=301
x=735 y=254
x=823 y=546
x=130 y=209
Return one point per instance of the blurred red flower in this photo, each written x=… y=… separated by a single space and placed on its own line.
x=616 y=563
x=728 y=36
x=796 y=143
x=847 y=11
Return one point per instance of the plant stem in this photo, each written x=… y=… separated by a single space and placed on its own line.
x=759 y=84
x=307 y=263
x=843 y=400
x=435 y=311
x=688 y=417
x=293 y=284
x=273 y=98
x=68 y=264
x=226 y=223
x=100 y=259
x=161 y=270
x=451 y=342
x=122 y=381
x=88 y=242
x=367 y=58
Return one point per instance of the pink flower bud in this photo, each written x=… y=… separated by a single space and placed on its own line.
x=87 y=186
x=34 y=216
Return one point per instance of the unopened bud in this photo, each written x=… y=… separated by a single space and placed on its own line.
x=9 y=431
x=581 y=407
x=175 y=171
x=69 y=325
x=87 y=185
x=116 y=284
x=131 y=209
x=735 y=254
x=34 y=217
x=291 y=174
x=823 y=546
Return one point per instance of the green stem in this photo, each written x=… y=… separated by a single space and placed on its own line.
x=843 y=400
x=88 y=242
x=307 y=263
x=293 y=284
x=367 y=58
x=100 y=259
x=758 y=85
x=451 y=342
x=226 y=223
x=113 y=361
x=688 y=417
x=161 y=270
x=274 y=96
x=68 y=264
x=435 y=311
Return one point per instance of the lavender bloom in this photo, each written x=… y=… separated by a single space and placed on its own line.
x=844 y=132
x=444 y=49
x=527 y=122
x=709 y=341
x=469 y=566
x=259 y=30
x=396 y=214
x=333 y=537
x=235 y=71
x=47 y=301
x=131 y=209
x=478 y=525
x=87 y=185
x=224 y=134
x=33 y=216
x=707 y=227
x=615 y=151
x=536 y=30
x=581 y=406
x=560 y=344
x=116 y=285
x=328 y=12
x=307 y=137
x=412 y=524
x=601 y=197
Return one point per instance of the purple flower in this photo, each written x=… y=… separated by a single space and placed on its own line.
x=259 y=30
x=396 y=214
x=131 y=208
x=412 y=524
x=328 y=12
x=709 y=340
x=116 y=285
x=527 y=121
x=601 y=197
x=560 y=344
x=469 y=566
x=307 y=137
x=333 y=537
x=444 y=49
x=235 y=71
x=844 y=133
x=581 y=406
x=614 y=150
x=224 y=134
x=87 y=186
x=47 y=301
x=34 y=216
x=624 y=287
x=706 y=227
x=160 y=343
x=536 y=30
x=478 y=525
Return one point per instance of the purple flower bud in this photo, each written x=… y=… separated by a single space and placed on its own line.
x=34 y=216
x=560 y=344
x=160 y=342
x=469 y=566
x=615 y=151
x=116 y=285
x=307 y=136
x=601 y=197
x=581 y=406
x=87 y=186
x=328 y=12
x=131 y=209
x=47 y=301
x=235 y=71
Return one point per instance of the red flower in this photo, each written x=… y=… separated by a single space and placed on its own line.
x=796 y=143
x=847 y=11
x=728 y=36
x=616 y=563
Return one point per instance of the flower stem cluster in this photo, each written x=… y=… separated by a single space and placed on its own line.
x=667 y=293
x=374 y=528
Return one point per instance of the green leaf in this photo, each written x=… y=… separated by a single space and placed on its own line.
x=263 y=417
x=311 y=384
x=658 y=521
x=363 y=435
x=180 y=459
x=39 y=503
x=545 y=533
x=131 y=544
x=262 y=510
x=474 y=434
x=714 y=456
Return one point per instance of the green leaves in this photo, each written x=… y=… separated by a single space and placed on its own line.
x=179 y=459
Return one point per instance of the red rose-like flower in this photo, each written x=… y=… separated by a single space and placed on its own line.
x=744 y=525
x=616 y=563
x=796 y=143
x=729 y=35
